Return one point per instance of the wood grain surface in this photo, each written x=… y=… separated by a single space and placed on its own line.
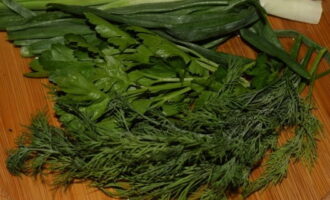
x=21 y=97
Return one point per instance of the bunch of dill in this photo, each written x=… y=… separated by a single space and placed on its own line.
x=207 y=153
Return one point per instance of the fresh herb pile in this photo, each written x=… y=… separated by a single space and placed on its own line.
x=149 y=109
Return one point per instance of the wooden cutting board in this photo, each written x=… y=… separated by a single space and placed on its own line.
x=21 y=97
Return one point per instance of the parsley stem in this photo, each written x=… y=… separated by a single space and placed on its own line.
x=171 y=96
x=158 y=88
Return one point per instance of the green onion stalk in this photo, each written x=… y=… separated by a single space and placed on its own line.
x=100 y=4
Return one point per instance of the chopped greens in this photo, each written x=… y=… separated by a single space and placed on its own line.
x=149 y=110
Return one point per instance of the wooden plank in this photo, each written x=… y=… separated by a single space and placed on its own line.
x=22 y=97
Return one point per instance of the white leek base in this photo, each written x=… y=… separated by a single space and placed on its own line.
x=308 y=11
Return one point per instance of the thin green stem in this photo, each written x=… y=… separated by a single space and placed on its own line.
x=166 y=79
x=313 y=70
x=304 y=64
x=216 y=42
x=296 y=47
x=320 y=75
x=207 y=66
x=44 y=150
x=317 y=61
x=212 y=66
x=171 y=96
x=158 y=88
x=307 y=57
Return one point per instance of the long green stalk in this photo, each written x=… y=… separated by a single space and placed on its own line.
x=42 y=4
x=100 y=4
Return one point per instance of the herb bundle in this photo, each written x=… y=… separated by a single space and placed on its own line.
x=150 y=111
